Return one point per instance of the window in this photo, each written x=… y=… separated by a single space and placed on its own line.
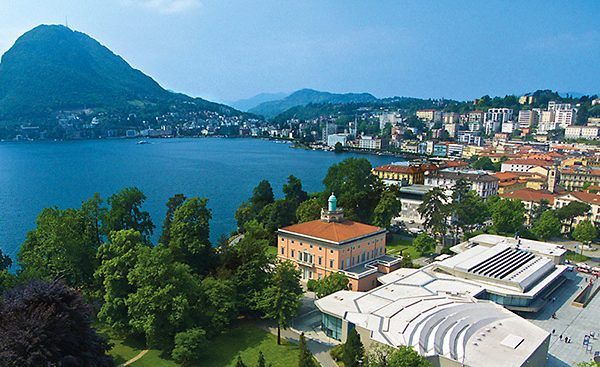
x=331 y=251
x=320 y=248
x=292 y=253
x=310 y=246
x=282 y=250
x=331 y=263
x=292 y=241
x=320 y=259
x=332 y=326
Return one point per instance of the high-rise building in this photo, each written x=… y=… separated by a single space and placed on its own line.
x=494 y=118
x=328 y=129
x=528 y=118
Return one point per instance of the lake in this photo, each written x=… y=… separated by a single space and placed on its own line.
x=41 y=174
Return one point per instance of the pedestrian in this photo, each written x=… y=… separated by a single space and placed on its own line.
x=553 y=331
x=560 y=337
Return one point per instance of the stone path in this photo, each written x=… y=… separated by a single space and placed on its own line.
x=140 y=355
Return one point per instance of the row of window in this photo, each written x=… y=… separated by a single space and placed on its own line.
x=310 y=258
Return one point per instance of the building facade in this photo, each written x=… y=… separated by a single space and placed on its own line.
x=333 y=244
x=484 y=184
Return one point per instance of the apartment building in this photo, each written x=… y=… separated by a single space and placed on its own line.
x=582 y=132
x=429 y=115
x=484 y=184
x=528 y=118
x=575 y=177
x=404 y=173
x=593 y=200
x=334 y=244
x=524 y=164
x=494 y=118
x=531 y=199
x=370 y=142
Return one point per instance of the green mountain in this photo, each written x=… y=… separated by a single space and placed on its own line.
x=304 y=97
x=53 y=68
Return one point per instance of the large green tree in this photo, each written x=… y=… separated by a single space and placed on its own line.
x=403 y=356
x=7 y=279
x=434 y=211
x=167 y=297
x=280 y=301
x=356 y=188
x=467 y=208
x=353 y=352
x=219 y=306
x=546 y=226
x=173 y=203
x=508 y=215
x=262 y=196
x=63 y=245
x=189 y=234
x=387 y=208
x=585 y=232
x=117 y=258
x=293 y=190
x=309 y=210
x=330 y=284
x=569 y=212
x=424 y=243
x=126 y=212
x=189 y=346
x=251 y=266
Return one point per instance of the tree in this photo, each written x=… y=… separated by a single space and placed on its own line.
x=406 y=356
x=243 y=215
x=126 y=213
x=388 y=207
x=508 y=215
x=546 y=226
x=434 y=211
x=190 y=231
x=403 y=356
x=63 y=245
x=293 y=191
x=309 y=210
x=353 y=351
x=356 y=188
x=484 y=163
x=49 y=324
x=167 y=297
x=261 y=360
x=262 y=196
x=584 y=232
x=278 y=214
x=239 y=362
x=218 y=304
x=467 y=207
x=117 y=258
x=5 y=261
x=280 y=301
x=330 y=284
x=252 y=264
x=173 y=203
x=306 y=358
x=338 y=147
x=571 y=211
x=539 y=209
x=424 y=243
x=189 y=346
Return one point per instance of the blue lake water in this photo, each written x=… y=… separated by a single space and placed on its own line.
x=42 y=174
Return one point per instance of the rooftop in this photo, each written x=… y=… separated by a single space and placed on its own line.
x=530 y=195
x=471 y=175
x=489 y=240
x=530 y=162
x=438 y=317
x=335 y=232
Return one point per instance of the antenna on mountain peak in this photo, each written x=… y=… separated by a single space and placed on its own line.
x=66 y=21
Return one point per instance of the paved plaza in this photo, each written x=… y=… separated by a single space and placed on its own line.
x=571 y=322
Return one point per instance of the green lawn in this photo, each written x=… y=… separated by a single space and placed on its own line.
x=247 y=340
x=398 y=246
x=576 y=257
x=244 y=339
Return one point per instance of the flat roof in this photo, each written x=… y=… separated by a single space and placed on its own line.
x=537 y=247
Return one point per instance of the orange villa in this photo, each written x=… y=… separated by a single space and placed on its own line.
x=334 y=244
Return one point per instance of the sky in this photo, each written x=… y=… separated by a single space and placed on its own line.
x=229 y=50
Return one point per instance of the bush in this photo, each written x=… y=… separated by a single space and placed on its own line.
x=337 y=352
x=311 y=285
x=189 y=345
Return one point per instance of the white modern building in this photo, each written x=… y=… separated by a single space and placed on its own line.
x=494 y=118
x=457 y=312
x=333 y=139
x=582 y=132
x=528 y=118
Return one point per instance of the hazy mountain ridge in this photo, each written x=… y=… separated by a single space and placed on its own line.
x=304 y=97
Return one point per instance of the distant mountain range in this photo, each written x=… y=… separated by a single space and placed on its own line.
x=304 y=97
x=52 y=68
x=249 y=103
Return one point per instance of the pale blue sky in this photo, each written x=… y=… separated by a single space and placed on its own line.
x=227 y=50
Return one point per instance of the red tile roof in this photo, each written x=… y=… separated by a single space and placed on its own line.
x=530 y=162
x=587 y=197
x=530 y=195
x=332 y=231
x=398 y=168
